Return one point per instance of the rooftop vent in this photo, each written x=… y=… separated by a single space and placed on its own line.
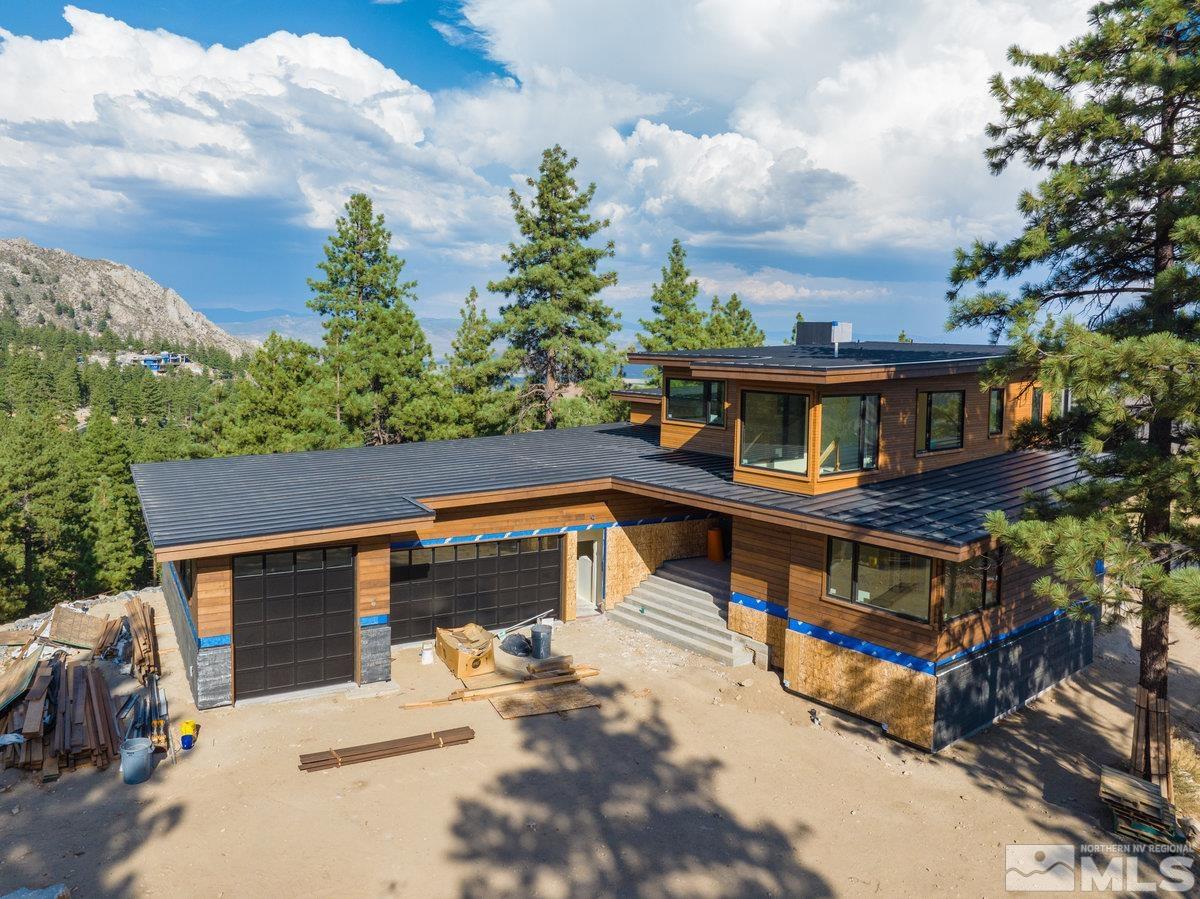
x=824 y=334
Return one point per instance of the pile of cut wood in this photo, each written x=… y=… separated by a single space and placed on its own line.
x=65 y=718
x=1140 y=811
x=369 y=752
x=145 y=640
x=550 y=672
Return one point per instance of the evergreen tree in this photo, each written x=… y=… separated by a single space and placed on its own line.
x=795 y=338
x=360 y=273
x=678 y=323
x=116 y=542
x=1111 y=243
x=903 y=337
x=730 y=324
x=558 y=329
x=482 y=398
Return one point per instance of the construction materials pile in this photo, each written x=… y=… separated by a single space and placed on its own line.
x=369 y=752
x=1140 y=811
x=64 y=720
x=145 y=641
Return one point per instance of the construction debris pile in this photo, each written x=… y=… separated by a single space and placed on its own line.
x=56 y=707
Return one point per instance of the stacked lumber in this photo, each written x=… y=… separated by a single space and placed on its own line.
x=1140 y=811
x=368 y=752
x=32 y=718
x=106 y=641
x=145 y=639
x=573 y=676
x=86 y=729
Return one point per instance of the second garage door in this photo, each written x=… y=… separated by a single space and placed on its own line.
x=494 y=584
x=293 y=620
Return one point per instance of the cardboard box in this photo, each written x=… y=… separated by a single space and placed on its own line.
x=467 y=651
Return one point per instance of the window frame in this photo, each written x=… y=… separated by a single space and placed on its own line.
x=1002 y=394
x=1037 y=406
x=706 y=402
x=807 y=399
x=862 y=432
x=995 y=558
x=962 y=421
x=927 y=621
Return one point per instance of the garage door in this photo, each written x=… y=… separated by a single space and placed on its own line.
x=494 y=584
x=293 y=620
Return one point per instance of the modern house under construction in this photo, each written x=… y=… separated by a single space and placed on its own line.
x=849 y=481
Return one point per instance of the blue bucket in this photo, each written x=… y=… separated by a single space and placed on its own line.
x=136 y=756
x=541 y=641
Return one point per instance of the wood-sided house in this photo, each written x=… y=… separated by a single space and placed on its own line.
x=850 y=482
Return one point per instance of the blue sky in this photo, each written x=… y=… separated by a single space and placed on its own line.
x=817 y=157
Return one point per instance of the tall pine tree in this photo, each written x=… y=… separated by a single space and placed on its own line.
x=678 y=323
x=730 y=324
x=1111 y=249
x=477 y=380
x=558 y=329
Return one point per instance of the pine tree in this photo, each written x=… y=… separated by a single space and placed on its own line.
x=795 y=338
x=558 y=329
x=730 y=324
x=678 y=323
x=903 y=337
x=361 y=272
x=1110 y=242
x=482 y=398
x=114 y=530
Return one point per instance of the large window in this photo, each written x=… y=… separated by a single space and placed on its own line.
x=698 y=401
x=775 y=431
x=973 y=585
x=1037 y=412
x=995 y=411
x=849 y=433
x=940 y=420
x=884 y=579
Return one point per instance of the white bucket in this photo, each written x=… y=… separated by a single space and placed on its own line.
x=426 y=653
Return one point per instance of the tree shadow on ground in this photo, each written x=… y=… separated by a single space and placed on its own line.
x=604 y=809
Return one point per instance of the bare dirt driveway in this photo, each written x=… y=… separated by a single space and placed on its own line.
x=683 y=783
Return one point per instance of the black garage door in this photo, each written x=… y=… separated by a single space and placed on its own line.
x=293 y=620
x=494 y=584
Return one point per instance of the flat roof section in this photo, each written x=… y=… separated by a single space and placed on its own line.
x=208 y=500
x=820 y=357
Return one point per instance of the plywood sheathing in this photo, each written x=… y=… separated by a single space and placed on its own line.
x=633 y=553
x=570 y=546
x=891 y=694
x=760 y=626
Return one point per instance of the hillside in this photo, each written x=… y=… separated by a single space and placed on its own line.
x=44 y=286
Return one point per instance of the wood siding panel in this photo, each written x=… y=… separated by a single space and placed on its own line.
x=760 y=561
x=1018 y=604
x=214 y=596
x=698 y=438
x=373 y=577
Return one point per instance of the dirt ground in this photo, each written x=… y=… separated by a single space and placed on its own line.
x=689 y=780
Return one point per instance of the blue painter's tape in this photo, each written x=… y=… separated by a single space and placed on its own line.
x=219 y=640
x=546 y=532
x=866 y=647
x=762 y=605
x=372 y=620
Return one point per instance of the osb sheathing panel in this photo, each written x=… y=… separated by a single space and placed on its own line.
x=633 y=553
x=881 y=691
x=570 y=547
x=760 y=626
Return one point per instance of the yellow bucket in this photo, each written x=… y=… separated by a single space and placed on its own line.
x=188 y=727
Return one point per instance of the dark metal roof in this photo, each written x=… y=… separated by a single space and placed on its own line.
x=639 y=393
x=202 y=500
x=819 y=357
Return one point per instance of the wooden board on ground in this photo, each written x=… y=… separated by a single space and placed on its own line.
x=15 y=679
x=562 y=698
x=15 y=638
x=492 y=679
x=73 y=628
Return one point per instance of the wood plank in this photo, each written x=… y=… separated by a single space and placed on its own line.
x=564 y=698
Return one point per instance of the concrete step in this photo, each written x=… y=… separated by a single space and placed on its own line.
x=702 y=610
x=708 y=625
x=733 y=654
x=701 y=595
x=715 y=637
x=700 y=580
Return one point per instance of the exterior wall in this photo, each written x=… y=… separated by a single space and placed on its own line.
x=373 y=599
x=207 y=660
x=898 y=455
x=644 y=414
x=897 y=697
x=760 y=626
x=214 y=596
x=973 y=693
x=570 y=547
x=632 y=553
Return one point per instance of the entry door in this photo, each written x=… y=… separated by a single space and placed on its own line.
x=494 y=584
x=587 y=573
x=293 y=620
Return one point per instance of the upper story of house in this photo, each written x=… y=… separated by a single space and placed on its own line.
x=822 y=416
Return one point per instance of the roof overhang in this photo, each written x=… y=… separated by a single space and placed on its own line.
x=713 y=368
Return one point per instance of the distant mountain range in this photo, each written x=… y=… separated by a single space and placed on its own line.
x=45 y=286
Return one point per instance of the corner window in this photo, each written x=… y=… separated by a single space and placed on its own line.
x=1037 y=412
x=881 y=578
x=995 y=411
x=775 y=431
x=973 y=585
x=849 y=433
x=940 y=420
x=699 y=401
